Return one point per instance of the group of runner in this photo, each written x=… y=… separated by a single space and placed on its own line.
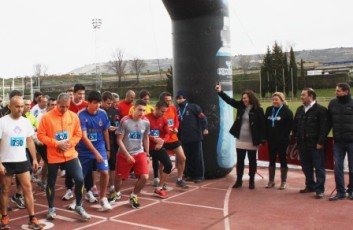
x=78 y=136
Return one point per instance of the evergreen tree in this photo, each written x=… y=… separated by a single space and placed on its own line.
x=266 y=73
x=287 y=79
x=293 y=71
x=302 y=73
x=277 y=54
x=170 y=79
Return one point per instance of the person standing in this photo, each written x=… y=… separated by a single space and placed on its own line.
x=341 y=118
x=133 y=154
x=16 y=133
x=310 y=129
x=279 y=121
x=248 y=129
x=192 y=128
x=60 y=130
x=125 y=105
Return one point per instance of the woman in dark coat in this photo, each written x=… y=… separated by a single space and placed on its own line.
x=248 y=129
x=279 y=120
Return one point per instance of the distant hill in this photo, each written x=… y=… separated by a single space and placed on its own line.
x=319 y=56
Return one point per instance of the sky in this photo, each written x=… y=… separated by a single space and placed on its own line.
x=60 y=35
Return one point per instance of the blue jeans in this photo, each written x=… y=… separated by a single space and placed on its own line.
x=339 y=153
x=313 y=159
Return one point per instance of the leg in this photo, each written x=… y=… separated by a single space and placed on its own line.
x=339 y=152
x=188 y=171
x=240 y=167
x=284 y=166
x=271 y=168
x=74 y=169
x=307 y=167
x=320 y=172
x=50 y=190
x=179 y=153
x=350 y=168
x=141 y=170
x=196 y=164
x=163 y=157
x=25 y=181
x=104 y=180
x=140 y=183
x=5 y=181
x=252 y=167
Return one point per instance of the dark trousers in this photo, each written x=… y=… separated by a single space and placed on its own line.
x=73 y=168
x=163 y=157
x=313 y=159
x=241 y=153
x=281 y=152
x=339 y=153
x=194 y=165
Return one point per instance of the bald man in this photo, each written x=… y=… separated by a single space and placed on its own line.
x=16 y=133
x=125 y=105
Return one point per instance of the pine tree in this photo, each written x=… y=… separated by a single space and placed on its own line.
x=293 y=71
x=286 y=74
x=302 y=73
x=277 y=54
x=266 y=73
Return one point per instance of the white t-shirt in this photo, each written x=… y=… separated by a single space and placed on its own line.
x=13 y=134
x=36 y=111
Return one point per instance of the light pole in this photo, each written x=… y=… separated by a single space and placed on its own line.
x=97 y=23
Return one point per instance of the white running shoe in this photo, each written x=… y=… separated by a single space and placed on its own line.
x=82 y=213
x=90 y=197
x=95 y=191
x=72 y=206
x=68 y=195
x=111 y=189
x=105 y=204
x=156 y=182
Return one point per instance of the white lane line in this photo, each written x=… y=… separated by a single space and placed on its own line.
x=90 y=225
x=226 y=208
x=134 y=210
x=68 y=219
x=139 y=225
x=180 y=194
x=220 y=189
x=193 y=205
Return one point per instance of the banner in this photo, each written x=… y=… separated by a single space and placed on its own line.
x=293 y=153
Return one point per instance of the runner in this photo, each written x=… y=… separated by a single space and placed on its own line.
x=113 y=115
x=133 y=148
x=158 y=135
x=16 y=132
x=60 y=131
x=146 y=96
x=94 y=147
x=125 y=105
x=173 y=142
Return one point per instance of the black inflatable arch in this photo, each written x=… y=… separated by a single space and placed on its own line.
x=202 y=57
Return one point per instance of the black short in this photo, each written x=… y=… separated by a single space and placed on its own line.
x=112 y=159
x=16 y=167
x=172 y=145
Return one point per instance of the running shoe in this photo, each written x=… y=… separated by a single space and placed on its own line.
x=82 y=213
x=51 y=214
x=90 y=197
x=182 y=184
x=5 y=221
x=156 y=182
x=95 y=191
x=68 y=195
x=19 y=201
x=112 y=189
x=34 y=224
x=42 y=185
x=160 y=193
x=134 y=201
x=165 y=187
x=105 y=204
x=114 y=197
x=72 y=206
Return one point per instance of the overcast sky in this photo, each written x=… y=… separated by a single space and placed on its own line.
x=60 y=35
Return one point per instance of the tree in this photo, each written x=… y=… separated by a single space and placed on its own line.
x=244 y=62
x=278 y=67
x=293 y=70
x=170 y=80
x=118 y=64
x=302 y=73
x=286 y=78
x=266 y=73
x=137 y=65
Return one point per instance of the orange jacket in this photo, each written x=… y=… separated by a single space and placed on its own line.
x=55 y=126
x=173 y=122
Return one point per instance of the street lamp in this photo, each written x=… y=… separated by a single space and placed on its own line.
x=97 y=23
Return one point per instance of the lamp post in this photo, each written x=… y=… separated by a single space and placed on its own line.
x=97 y=23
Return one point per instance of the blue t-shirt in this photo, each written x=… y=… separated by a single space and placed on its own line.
x=94 y=125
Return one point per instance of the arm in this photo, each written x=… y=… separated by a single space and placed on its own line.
x=90 y=147
x=261 y=118
x=122 y=148
x=43 y=136
x=203 y=120
x=145 y=142
x=77 y=134
x=32 y=150
x=107 y=142
x=230 y=101
x=289 y=122
x=324 y=127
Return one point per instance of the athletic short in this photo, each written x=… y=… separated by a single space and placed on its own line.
x=140 y=166
x=16 y=167
x=88 y=165
x=112 y=159
x=172 y=145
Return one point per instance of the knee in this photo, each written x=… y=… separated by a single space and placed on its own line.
x=144 y=177
x=167 y=168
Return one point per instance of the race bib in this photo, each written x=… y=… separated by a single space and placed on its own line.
x=154 y=133
x=17 y=141
x=135 y=136
x=92 y=136
x=170 y=122
x=60 y=136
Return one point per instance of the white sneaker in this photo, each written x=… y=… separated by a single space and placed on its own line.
x=111 y=189
x=63 y=173
x=95 y=191
x=156 y=182
x=68 y=195
x=105 y=204
x=82 y=213
x=72 y=206
x=90 y=198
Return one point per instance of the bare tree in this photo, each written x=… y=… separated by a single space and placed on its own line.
x=137 y=65
x=117 y=64
x=39 y=70
x=44 y=70
x=244 y=62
